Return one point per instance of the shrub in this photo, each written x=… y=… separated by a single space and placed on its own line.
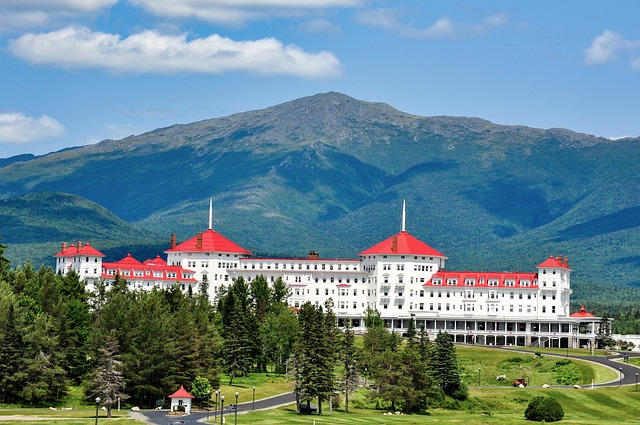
x=544 y=409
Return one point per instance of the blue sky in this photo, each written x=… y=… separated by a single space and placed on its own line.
x=75 y=72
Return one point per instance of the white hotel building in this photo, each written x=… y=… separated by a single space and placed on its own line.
x=401 y=277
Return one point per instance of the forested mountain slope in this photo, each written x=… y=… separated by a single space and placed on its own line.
x=329 y=173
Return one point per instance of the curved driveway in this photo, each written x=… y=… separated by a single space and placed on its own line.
x=161 y=417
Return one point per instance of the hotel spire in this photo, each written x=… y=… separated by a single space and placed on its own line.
x=403 y=215
x=210 y=213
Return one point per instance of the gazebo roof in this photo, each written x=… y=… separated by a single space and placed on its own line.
x=181 y=393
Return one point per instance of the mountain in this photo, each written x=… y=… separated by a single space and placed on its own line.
x=329 y=173
x=33 y=226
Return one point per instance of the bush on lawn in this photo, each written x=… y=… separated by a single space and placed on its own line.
x=544 y=409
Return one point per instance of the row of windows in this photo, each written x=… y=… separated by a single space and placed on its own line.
x=276 y=266
x=469 y=307
x=490 y=282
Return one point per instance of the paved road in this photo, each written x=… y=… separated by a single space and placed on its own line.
x=160 y=417
x=628 y=374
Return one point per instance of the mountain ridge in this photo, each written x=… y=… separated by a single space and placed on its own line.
x=328 y=173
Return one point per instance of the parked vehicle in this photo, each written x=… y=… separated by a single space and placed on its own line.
x=520 y=381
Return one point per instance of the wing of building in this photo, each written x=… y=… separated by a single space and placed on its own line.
x=401 y=277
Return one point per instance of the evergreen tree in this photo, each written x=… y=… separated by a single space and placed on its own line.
x=330 y=350
x=349 y=360
x=148 y=357
x=108 y=380
x=11 y=347
x=4 y=262
x=44 y=375
x=444 y=367
x=411 y=331
x=309 y=353
x=376 y=337
x=279 y=293
x=260 y=299
x=238 y=330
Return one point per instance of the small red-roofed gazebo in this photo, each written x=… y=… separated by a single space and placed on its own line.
x=181 y=398
x=588 y=327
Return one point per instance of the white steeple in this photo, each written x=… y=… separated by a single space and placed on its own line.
x=403 y=214
x=210 y=213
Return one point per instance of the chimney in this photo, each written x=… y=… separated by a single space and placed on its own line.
x=394 y=243
x=559 y=259
x=313 y=255
x=64 y=247
x=199 y=241
x=173 y=241
x=79 y=246
x=566 y=262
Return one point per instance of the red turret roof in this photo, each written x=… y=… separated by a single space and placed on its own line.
x=583 y=313
x=211 y=242
x=554 y=263
x=402 y=244
x=129 y=261
x=86 y=250
x=155 y=262
x=181 y=393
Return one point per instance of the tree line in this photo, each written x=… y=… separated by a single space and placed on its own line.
x=140 y=346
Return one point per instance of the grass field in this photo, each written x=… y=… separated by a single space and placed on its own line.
x=492 y=403
x=485 y=364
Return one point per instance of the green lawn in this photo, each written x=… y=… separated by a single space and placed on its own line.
x=266 y=384
x=545 y=370
x=490 y=406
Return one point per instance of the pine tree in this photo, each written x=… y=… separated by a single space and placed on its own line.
x=108 y=380
x=329 y=349
x=4 y=262
x=309 y=353
x=349 y=360
x=444 y=367
x=238 y=329
x=11 y=349
x=279 y=293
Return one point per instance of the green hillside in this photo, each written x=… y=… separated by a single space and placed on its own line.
x=329 y=173
x=34 y=226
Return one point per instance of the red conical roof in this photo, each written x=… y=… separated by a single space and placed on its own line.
x=211 y=242
x=402 y=244
x=181 y=393
x=583 y=313
x=554 y=263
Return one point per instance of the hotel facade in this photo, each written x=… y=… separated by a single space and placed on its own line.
x=401 y=277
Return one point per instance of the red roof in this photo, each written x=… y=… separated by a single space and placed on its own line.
x=211 y=242
x=583 y=313
x=554 y=263
x=155 y=262
x=151 y=270
x=86 y=250
x=481 y=279
x=402 y=244
x=181 y=393
x=129 y=261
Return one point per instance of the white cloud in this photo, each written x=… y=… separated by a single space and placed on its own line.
x=320 y=25
x=151 y=52
x=16 y=127
x=16 y=14
x=235 y=11
x=393 y=20
x=606 y=47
